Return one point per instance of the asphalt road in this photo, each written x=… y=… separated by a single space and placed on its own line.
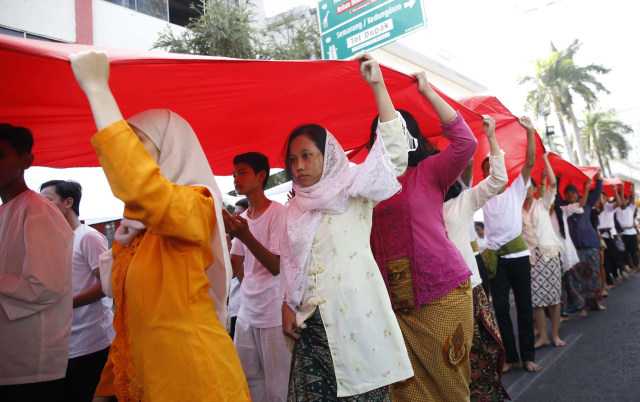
x=601 y=361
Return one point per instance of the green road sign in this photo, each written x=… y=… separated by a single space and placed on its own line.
x=351 y=26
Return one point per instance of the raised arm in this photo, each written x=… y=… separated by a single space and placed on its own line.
x=621 y=200
x=92 y=73
x=445 y=113
x=551 y=190
x=448 y=164
x=531 y=148
x=389 y=121
x=595 y=194
x=586 y=195
x=165 y=208
x=370 y=71
x=497 y=179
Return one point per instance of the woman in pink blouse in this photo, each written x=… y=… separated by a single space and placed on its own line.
x=426 y=276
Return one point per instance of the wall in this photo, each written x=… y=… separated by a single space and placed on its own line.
x=117 y=26
x=48 y=18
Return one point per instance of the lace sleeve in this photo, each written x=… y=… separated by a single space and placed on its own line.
x=375 y=178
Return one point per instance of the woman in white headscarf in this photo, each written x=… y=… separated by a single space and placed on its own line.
x=170 y=264
x=347 y=340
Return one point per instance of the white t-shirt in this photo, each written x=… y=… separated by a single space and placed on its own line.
x=482 y=244
x=235 y=295
x=605 y=220
x=261 y=292
x=625 y=217
x=36 y=245
x=503 y=217
x=92 y=327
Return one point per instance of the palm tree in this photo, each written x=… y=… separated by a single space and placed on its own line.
x=557 y=80
x=603 y=134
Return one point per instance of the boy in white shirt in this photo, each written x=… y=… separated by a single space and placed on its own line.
x=92 y=328
x=259 y=340
x=613 y=259
x=625 y=216
x=35 y=281
x=507 y=259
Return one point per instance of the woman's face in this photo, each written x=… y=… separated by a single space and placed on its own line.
x=147 y=144
x=531 y=190
x=306 y=161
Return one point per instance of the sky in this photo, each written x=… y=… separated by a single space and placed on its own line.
x=492 y=42
x=495 y=42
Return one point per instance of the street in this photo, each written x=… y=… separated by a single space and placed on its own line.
x=601 y=361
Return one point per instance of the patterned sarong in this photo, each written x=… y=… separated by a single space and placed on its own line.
x=438 y=339
x=588 y=274
x=312 y=377
x=487 y=352
x=546 y=281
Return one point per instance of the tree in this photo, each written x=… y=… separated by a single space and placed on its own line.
x=557 y=80
x=603 y=134
x=221 y=29
x=226 y=29
x=290 y=37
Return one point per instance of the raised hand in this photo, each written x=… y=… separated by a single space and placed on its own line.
x=526 y=123
x=488 y=125
x=369 y=69
x=544 y=174
x=91 y=70
x=423 y=83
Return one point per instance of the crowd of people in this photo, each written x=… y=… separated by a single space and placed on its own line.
x=373 y=283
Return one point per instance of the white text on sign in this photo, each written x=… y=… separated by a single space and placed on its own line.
x=370 y=33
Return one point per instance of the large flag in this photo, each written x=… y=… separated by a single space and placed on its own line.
x=234 y=106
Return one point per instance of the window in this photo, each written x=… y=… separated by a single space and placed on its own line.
x=175 y=11
x=22 y=34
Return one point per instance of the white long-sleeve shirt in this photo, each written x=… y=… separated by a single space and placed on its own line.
x=458 y=212
x=36 y=296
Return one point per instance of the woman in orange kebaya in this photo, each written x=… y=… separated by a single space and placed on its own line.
x=170 y=345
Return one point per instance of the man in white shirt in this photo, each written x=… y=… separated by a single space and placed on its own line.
x=259 y=340
x=92 y=328
x=625 y=215
x=35 y=281
x=613 y=258
x=504 y=242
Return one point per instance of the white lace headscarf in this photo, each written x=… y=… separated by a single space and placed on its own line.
x=182 y=161
x=375 y=179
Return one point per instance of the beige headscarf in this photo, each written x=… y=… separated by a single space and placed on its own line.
x=183 y=162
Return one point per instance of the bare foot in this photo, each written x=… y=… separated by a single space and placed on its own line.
x=609 y=287
x=600 y=307
x=582 y=313
x=557 y=342
x=508 y=366
x=564 y=319
x=541 y=342
x=618 y=281
x=605 y=293
x=532 y=367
